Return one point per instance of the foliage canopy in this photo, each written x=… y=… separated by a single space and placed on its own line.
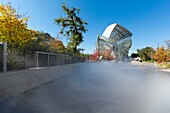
x=73 y=27
x=145 y=53
x=13 y=27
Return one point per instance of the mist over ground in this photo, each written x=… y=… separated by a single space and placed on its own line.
x=101 y=87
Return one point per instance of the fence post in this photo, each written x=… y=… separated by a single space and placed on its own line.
x=48 y=59
x=4 y=56
x=55 y=59
x=37 y=60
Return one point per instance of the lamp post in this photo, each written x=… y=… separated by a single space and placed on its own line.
x=4 y=56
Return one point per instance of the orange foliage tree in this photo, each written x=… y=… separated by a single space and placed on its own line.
x=57 y=46
x=161 y=55
x=94 y=56
x=105 y=54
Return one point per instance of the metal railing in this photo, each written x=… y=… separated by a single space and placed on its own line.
x=52 y=59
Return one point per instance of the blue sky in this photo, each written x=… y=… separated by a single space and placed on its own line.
x=148 y=20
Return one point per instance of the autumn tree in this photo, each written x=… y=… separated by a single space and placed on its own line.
x=94 y=56
x=43 y=41
x=162 y=55
x=13 y=27
x=57 y=46
x=14 y=31
x=73 y=27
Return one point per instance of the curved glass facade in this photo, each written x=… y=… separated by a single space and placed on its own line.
x=117 y=39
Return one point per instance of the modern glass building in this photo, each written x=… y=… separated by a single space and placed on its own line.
x=115 y=38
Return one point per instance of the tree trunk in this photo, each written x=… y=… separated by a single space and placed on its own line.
x=75 y=50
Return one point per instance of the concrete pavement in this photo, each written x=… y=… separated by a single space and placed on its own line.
x=101 y=87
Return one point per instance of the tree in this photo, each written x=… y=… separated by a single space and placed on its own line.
x=57 y=46
x=45 y=42
x=145 y=53
x=73 y=26
x=94 y=56
x=168 y=44
x=13 y=27
x=14 y=31
x=162 y=55
x=40 y=42
x=85 y=55
x=134 y=55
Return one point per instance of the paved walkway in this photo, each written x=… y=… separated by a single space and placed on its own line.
x=98 y=88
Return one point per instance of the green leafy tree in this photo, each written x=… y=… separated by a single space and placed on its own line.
x=145 y=53
x=73 y=27
x=134 y=55
x=85 y=55
x=40 y=41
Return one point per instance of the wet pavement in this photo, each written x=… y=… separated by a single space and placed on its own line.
x=102 y=87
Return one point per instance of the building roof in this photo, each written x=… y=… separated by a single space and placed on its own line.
x=109 y=30
x=114 y=30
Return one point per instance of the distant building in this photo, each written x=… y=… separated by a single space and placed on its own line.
x=115 y=38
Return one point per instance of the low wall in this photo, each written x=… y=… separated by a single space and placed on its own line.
x=19 y=81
